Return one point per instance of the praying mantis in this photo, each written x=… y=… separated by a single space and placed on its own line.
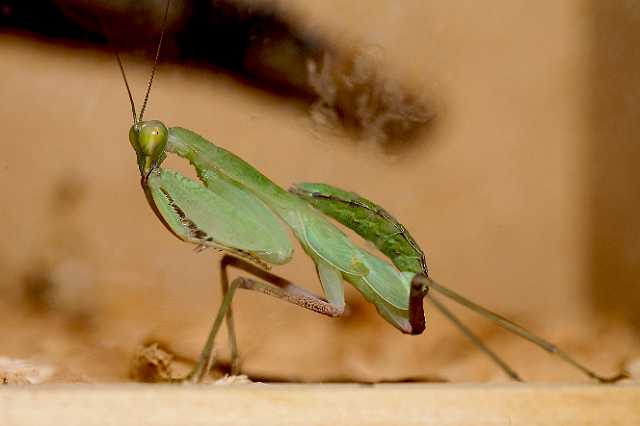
x=238 y=210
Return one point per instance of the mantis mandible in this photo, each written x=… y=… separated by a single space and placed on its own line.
x=236 y=209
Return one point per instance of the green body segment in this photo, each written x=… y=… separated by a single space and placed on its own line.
x=384 y=284
x=319 y=238
x=331 y=280
x=313 y=231
x=368 y=220
x=235 y=208
x=381 y=277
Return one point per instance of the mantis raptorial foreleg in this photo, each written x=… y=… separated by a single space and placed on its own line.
x=274 y=286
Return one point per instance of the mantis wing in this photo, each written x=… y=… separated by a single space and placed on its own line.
x=227 y=217
x=323 y=240
x=374 y=224
x=368 y=219
x=381 y=274
x=387 y=282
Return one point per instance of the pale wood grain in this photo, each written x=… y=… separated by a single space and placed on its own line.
x=256 y=404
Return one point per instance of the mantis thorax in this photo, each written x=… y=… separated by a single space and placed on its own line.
x=149 y=140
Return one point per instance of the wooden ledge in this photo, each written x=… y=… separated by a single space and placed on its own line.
x=262 y=404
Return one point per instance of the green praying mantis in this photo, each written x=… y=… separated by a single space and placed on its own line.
x=238 y=210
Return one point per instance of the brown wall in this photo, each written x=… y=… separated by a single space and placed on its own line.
x=613 y=172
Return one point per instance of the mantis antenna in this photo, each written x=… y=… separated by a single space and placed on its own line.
x=136 y=119
x=155 y=62
x=126 y=83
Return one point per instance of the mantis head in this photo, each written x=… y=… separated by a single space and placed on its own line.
x=149 y=140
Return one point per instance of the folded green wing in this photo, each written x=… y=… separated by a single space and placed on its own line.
x=328 y=243
x=368 y=219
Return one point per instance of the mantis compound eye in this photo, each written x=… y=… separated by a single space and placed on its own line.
x=152 y=138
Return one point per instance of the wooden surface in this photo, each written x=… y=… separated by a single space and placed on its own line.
x=411 y=404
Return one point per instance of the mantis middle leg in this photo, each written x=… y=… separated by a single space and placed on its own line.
x=274 y=286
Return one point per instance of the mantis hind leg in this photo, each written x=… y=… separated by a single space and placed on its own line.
x=418 y=292
x=273 y=286
x=516 y=329
x=475 y=340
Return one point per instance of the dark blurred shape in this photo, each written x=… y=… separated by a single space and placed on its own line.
x=614 y=165
x=68 y=194
x=38 y=288
x=254 y=41
x=353 y=92
x=43 y=17
x=57 y=289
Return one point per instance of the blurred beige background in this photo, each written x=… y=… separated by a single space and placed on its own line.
x=524 y=195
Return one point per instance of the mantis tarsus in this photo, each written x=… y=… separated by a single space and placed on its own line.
x=240 y=211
